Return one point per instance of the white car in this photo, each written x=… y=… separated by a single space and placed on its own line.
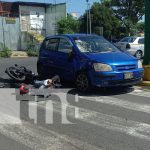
x=133 y=45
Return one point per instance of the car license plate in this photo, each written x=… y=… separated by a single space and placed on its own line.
x=128 y=75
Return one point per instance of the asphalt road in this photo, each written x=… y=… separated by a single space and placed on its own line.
x=110 y=119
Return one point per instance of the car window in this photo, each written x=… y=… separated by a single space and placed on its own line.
x=94 y=44
x=51 y=44
x=126 y=39
x=64 y=46
x=131 y=40
x=141 y=41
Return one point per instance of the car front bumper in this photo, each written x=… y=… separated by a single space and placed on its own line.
x=110 y=79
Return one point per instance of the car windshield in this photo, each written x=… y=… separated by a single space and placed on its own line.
x=94 y=44
x=128 y=39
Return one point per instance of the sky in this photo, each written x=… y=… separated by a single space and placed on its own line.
x=73 y=6
x=78 y=6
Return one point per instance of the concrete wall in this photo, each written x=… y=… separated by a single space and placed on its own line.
x=14 y=36
x=10 y=34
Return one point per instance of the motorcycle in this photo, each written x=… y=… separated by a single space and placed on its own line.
x=20 y=73
x=23 y=75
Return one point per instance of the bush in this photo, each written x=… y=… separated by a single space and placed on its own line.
x=5 y=51
x=32 y=53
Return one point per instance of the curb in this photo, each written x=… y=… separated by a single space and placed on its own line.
x=19 y=56
x=145 y=83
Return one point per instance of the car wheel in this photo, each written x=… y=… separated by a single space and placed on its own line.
x=138 y=54
x=82 y=82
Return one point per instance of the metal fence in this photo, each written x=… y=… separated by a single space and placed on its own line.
x=15 y=35
x=10 y=34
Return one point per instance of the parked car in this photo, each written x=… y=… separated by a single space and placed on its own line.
x=133 y=45
x=89 y=60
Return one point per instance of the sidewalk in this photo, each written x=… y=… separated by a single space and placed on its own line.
x=16 y=54
x=145 y=83
x=143 y=87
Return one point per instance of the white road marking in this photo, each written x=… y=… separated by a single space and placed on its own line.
x=139 y=92
x=7 y=119
x=30 y=135
x=129 y=127
x=119 y=102
x=37 y=137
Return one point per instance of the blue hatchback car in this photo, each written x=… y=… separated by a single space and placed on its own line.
x=89 y=60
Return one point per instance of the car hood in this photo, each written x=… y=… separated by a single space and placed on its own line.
x=112 y=58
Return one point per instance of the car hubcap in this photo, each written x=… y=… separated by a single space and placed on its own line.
x=82 y=82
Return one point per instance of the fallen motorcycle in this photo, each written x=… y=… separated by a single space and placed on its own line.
x=20 y=73
x=24 y=75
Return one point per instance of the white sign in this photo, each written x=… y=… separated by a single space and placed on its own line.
x=36 y=20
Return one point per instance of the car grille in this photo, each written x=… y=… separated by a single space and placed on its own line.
x=125 y=67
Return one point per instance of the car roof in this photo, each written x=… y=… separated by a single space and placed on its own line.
x=71 y=35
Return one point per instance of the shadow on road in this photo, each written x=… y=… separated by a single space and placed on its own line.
x=103 y=91
x=9 y=83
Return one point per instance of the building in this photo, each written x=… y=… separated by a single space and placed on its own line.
x=28 y=16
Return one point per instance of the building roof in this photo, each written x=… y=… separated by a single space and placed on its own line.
x=26 y=3
x=11 y=8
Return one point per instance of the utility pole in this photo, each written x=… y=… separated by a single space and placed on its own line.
x=55 y=17
x=147 y=33
x=87 y=22
x=87 y=26
x=88 y=18
x=3 y=29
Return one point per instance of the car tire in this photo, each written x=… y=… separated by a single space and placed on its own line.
x=12 y=72
x=82 y=82
x=139 y=54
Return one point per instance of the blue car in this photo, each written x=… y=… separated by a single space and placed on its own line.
x=88 y=60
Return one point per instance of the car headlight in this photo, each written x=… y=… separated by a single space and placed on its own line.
x=101 y=67
x=139 y=64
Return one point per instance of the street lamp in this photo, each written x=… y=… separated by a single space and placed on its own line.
x=88 y=18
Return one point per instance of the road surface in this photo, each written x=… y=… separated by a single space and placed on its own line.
x=117 y=119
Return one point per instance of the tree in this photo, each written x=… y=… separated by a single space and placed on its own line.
x=141 y=27
x=101 y=16
x=68 y=25
x=128 y=11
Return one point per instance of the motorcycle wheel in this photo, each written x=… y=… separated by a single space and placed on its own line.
x=15 y=74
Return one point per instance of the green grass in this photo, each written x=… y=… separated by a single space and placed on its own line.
x=32 y=53
x=5 y=51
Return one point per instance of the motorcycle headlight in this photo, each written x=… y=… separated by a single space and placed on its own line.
x=139 y=64
x=101 y=67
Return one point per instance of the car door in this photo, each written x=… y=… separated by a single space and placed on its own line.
x=48 y=55
x=122 y=43
x=64 y=62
